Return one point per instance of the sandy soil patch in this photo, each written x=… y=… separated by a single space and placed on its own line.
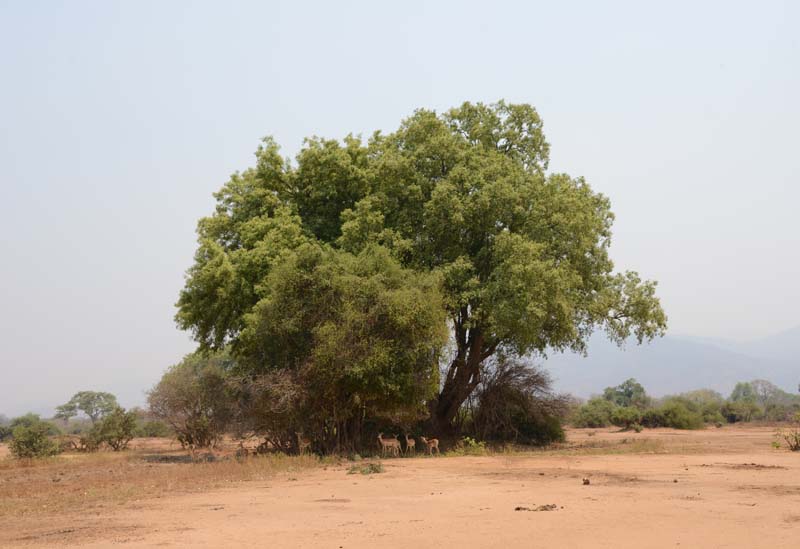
x=714 y=488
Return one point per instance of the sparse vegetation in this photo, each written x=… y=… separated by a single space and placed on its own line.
x=370 y=468
x=32 y=441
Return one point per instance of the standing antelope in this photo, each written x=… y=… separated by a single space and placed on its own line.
x=302 y=443
x=431 y=444
x=410 y=445
x=392 y=444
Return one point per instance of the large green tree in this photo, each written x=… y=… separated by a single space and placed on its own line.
x=95 y=404
x=521 y=254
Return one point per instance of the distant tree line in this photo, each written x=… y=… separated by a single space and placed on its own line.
x=106 y=424
x=628 y=406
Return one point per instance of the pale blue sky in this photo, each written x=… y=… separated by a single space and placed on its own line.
x=119 y=119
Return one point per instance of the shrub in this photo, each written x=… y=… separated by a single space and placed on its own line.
x=674 y=413
x=115 y=429
x=194 y=399
x=30 y=419
x=595 y=413
x=627 y=393
x=514 y=402
x=626 y=416
x=5 y=432
x=741 y=410
x=32 y=441
x=153 y=428
x=366 y=469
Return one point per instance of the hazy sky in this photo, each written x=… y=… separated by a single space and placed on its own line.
x=119 y=119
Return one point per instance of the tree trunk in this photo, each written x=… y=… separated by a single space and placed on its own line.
x=463 y=376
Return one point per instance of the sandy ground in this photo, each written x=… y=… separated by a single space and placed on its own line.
x=714 y=488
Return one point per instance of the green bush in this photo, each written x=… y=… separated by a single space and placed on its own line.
x=673 y=413
x=626 y=416
x=30 y=419
x=595 y=413
x=5 y=432
x=32 y=441
x=741 y=410
x=116 y=429
x=153 y=428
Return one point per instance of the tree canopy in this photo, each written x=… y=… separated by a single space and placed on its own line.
x=519 y=257
x=92 y=403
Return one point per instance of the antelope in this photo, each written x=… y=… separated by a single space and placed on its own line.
x=410 y=444
x=302 y=443
x=431 y=444
x=392 y=444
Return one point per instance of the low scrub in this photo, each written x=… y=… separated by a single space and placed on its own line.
x=366 y=469
x=33 y=441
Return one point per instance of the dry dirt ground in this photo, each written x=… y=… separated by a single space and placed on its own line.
x=714 y=488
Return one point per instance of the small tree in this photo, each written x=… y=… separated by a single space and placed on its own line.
x=627 y=393
x=94 y=404
x=626 y=416
x=595 y=413
x=116 y=429
x=194 y=399
x=515 y=401
x=32 y=441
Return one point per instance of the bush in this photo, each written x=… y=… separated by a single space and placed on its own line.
x=366 y=469
x=115 y=430
x=742 y=410
x=194 y=399
x=626 y=417
x=673 y=413
x=153 y=428
x=32 y=441
x=30 y=419
x=628 y=393
x=514 y=402
x=595 y=413
x=5 y=432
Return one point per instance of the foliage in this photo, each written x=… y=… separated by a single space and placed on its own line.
x=708 y=402
x=153 y=428
x=351 y=338
x=92 y=403
x=116 y=429
x=520 y=256
x=792 y=435
x=5 y=432
x=674 y=412
x=743 y=392
x=31 y=419
x=370 y=468
x=626 y=416
x=595 y=413
x=32 y=441
x=515 y=402
x=627 y=393
x=740 y=410
x=194 y=399
x=468 y=446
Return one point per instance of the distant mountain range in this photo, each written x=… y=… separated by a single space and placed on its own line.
x=675 y=364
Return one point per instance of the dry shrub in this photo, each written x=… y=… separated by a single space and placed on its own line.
x=267 y=406
x=515 y=402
